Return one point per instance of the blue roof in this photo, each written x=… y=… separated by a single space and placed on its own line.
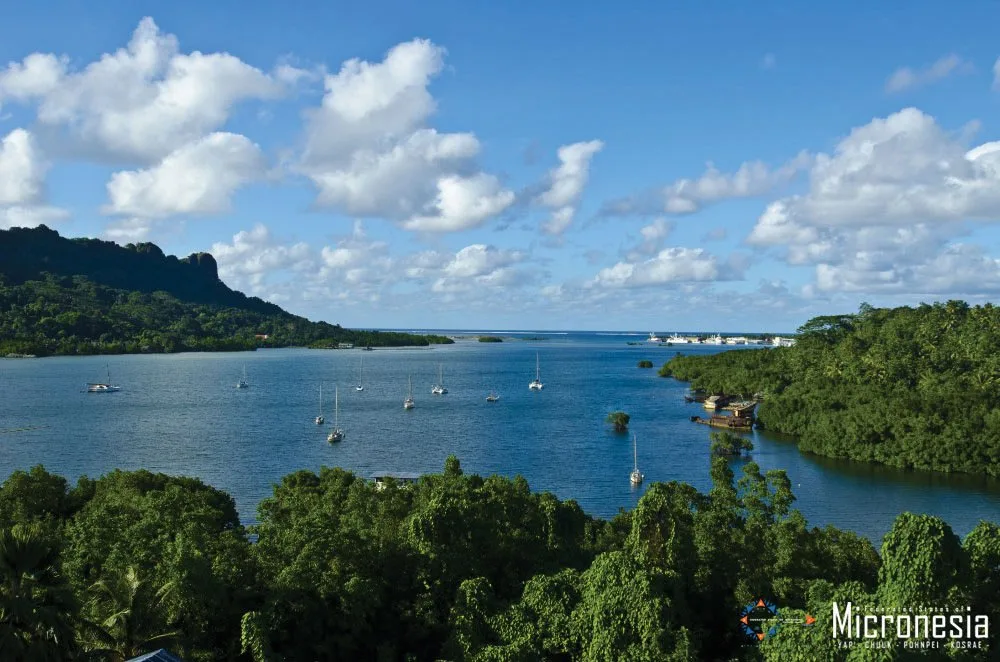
x=162 y=655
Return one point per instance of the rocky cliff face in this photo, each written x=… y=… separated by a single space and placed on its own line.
x=27 y=253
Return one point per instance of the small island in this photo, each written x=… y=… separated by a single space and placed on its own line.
x=728 y=444
x=619 y=419
x=645 y=364
x=490 y=339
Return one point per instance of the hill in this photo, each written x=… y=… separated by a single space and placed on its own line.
x=87 y=296
x=907 y=387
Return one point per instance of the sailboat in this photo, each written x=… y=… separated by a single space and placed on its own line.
x=408 y=403
x=336 y=434
x=537 y=384
x=492 y=397
x=635 y=477
x=319 y=419
x=107 y=387
x=243 y=383
x=439 y=388
x=361 y=376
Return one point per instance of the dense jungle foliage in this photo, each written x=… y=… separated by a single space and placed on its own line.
x=85 y=296
x=908 y=387
x=454 y=567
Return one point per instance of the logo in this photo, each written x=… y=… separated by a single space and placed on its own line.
x=870 y=626
x=756 y=616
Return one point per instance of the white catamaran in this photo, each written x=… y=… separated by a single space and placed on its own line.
x=243 y=383
x=408 y=403
x=439 y=388
x=361 y=376
x=103 y=388
x=319 y=420
x=635 y=477
x=536 y=385
x=336 y=434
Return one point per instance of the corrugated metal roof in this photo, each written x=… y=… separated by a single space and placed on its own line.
x=162 y=655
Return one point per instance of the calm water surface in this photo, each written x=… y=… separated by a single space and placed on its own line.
x=181 y=414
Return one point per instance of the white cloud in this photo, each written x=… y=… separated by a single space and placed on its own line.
x=566 y=183
x=254 y=254
x=686 y=196
x=651 y=242
x=141 y=102
x=882 y=212
x=22 y=171
x=671 y=265
x=22 y=183
x=29 y=217
x=199 y=178
x=906 y=78
x=370 y=154
x=462 y=203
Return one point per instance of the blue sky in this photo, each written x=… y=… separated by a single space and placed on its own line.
x=521 y=166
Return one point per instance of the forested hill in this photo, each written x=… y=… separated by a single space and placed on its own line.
x=86 y=296
x=908 y=387
x=27 y=253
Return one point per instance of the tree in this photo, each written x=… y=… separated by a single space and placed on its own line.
x=619 y=419
x=36 y=604
x=131 y=616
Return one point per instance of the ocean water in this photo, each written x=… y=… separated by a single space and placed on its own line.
x=181 y=414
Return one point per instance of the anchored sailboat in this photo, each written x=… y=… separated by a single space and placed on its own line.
x=361 y=376
x=336 y=434
x=537 y=384
x=243 y=383
x=492 y=397
x=635 y=477
x=319 y=420
x=103 y=388
x=408 y=403
x=439 y=388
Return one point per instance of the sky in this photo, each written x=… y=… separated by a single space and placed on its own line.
x=652 y=166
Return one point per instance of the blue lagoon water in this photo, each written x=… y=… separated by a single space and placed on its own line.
x=181 y=414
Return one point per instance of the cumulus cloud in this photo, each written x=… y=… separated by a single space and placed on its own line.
x=884 y=208
x=22 y=183
x=651 y=240
x=686 y=196
x=199 y=178
x=143 y=101
x=906 y=78
x=369 y=152
x=566 y=183
x=671 y=265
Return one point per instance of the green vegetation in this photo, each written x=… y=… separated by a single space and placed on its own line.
x=645 y=364
x=729 y=443
x=619 y=419
x=906 y=387
x=490 y=339
x=455 y=567
x=84 y=296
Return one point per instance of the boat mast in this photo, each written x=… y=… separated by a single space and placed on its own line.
x=320 y=399
x=537 y=369
x=635 y=453
x=336 y=407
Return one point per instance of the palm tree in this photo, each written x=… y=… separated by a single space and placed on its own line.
x=130 y=612
x=36 y=603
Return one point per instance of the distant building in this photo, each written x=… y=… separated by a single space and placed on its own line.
x=404 y=478
x=345 y=345
x=261 y=336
